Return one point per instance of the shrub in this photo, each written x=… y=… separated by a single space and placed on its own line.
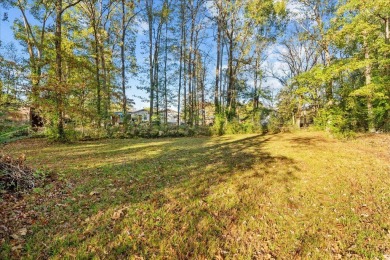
x=335 y=121
x=218 y=126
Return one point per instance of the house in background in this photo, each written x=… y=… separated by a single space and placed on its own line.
x=21 y=114
x=142 y=115
x=171 y=116
x=135 y=116
x=139 y=116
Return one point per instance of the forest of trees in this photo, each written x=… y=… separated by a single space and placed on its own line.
x=79 y=59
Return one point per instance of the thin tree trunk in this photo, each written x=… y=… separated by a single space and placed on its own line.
x=165 y=76
x=151 y=67
x=217 y=72
x=97 y=65
x=255 y=94
x=59 y=83
x=329 y=87
x=230 y=88
x=367 y=74
x=123 y=68
x=181 y=62
x=190 y=69
x=203 y=96
x=106 y=93
x=185 y=77
x=221 y=93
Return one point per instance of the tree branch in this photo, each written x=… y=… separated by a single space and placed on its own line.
x=69 y=6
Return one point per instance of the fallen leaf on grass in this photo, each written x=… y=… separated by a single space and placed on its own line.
x=119 y=213
x=15 y=236
x=22 y=231
x=15 y=248
x=93 y=193
x=19 y=233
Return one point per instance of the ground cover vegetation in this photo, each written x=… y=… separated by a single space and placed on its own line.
x=79 y=63
x=302 y=195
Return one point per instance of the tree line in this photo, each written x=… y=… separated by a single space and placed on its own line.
x=80 y=58
x=337 y=64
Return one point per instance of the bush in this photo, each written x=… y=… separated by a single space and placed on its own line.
x=275 y=126
x=335 y=121
x=218 y=126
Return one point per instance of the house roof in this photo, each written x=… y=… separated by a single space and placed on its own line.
x=139 y=111
x=147 y=111
x=168 y=110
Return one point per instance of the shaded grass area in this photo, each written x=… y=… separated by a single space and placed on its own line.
x=243 y=196
x=12 y=132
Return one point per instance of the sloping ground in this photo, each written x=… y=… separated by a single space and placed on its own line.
x=244 y=196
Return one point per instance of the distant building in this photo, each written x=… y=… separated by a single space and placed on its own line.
x=171 y=116
x=140 y=115
x=20 y=115
x=135 y=116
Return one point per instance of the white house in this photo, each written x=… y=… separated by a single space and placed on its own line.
x=135 y=116
x=140 y=115
x=171 y=116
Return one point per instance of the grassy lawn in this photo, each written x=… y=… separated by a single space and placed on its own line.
x=301 y=195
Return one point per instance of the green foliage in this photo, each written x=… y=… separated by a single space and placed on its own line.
x=71 y=134
x=273 y=125
x=336 y=121
x=382 y=115
x=11 y=132
x=219 y=124
x=233 y=127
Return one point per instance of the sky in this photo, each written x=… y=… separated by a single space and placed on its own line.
x=140 y=96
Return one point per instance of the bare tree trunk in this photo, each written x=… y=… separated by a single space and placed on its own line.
x=203 y=96
x=59 y=83
x=106 y=94
x=256 y=94
x=329 y=87
x=190 y=69
x=367 y=74
x=98 y=86
x=165 y=76
x=230 y=88
x=157 y=85
x=185 y=77
x=149 y=7
x=181 y=60
x=221 y=93
x=217 y=72
x=123 y=67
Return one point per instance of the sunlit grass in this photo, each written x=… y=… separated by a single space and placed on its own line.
x=242 y=196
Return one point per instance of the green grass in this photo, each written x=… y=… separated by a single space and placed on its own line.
x=301 y=195
x=11 y=132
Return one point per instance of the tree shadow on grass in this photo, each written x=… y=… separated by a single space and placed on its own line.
x=308 y=141
x=185 y=199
